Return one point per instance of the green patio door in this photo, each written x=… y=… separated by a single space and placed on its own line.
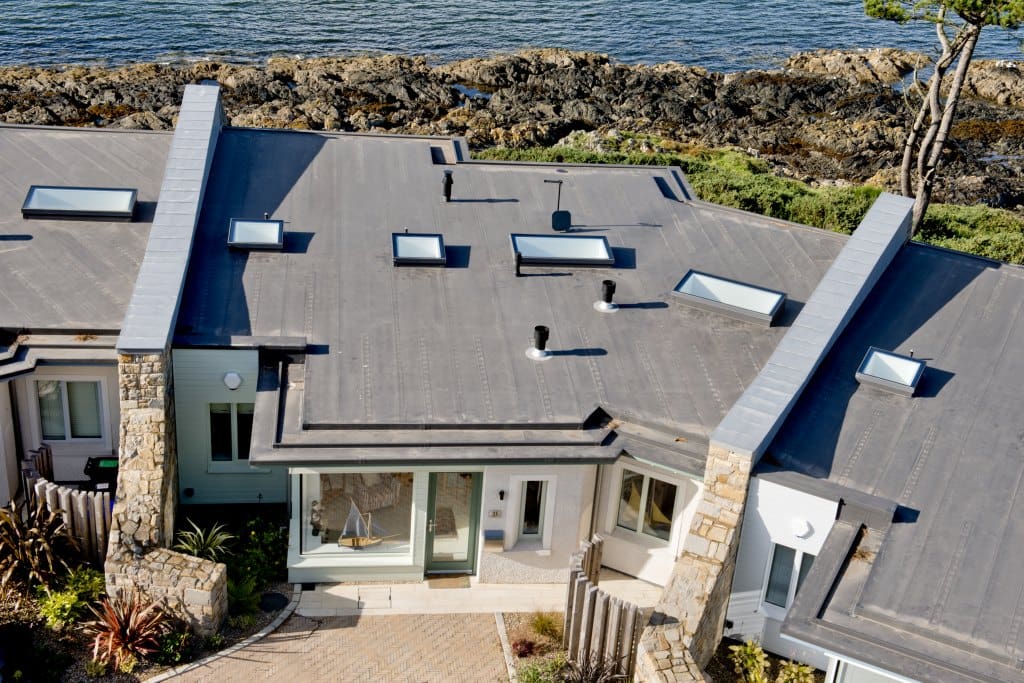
x=453 y=520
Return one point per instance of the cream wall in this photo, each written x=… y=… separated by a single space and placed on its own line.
x=199 y=381
x=69 y=458
x=774 y=515
x=569 y=498
x=8 y=461
x=640 y=555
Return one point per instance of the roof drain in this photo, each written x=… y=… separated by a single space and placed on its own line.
x=540 y=342
x=605 y=305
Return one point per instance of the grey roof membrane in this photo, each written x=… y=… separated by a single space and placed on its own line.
x=947 y=579
x=74 y=275
x=395 y=347
x=755 y=418
x=149 y=320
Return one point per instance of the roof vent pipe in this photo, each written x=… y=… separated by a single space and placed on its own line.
x=605 y=305
x=540 y=341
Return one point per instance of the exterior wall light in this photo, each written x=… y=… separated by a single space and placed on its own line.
x=232 y=380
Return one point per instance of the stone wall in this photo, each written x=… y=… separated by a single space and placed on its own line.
x=142 y=526
x=687 y=623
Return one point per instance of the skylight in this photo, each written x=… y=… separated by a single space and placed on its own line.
x=417 y=249
x=256 y=234
x=736 y=299
x=890 y=371
x=79 y=202
x=553 y=250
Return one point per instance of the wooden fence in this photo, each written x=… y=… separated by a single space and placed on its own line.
x=86 y=513
x=598 y=626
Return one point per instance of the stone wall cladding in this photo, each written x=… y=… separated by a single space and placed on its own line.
x=686 y=626
x=142 y=525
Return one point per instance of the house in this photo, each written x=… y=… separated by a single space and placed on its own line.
x=479 y=382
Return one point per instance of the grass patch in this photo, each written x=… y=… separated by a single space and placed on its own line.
x=732 y=178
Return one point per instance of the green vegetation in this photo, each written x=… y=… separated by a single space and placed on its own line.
x=547 y=624
x=732 y=178
x=212 y=544
x=34 y=545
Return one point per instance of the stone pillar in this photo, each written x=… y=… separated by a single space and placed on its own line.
x=142 y=524
x=686 y=626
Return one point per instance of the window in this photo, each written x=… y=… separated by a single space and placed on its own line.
x=532 y=512
x=69 y=410
x=230 y=431
x=786 y=564
x=646 y=505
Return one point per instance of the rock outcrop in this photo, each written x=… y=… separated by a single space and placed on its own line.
x=824 y=116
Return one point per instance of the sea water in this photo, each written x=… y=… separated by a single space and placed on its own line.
x=722 y=35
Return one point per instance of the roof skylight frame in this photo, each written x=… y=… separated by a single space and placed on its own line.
x=418 y=249
x=736 y=299
x=890 y=371
x=576 y=250
x=100 y=203
x=256 y=233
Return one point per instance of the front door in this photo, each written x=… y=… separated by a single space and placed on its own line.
x=453 y=519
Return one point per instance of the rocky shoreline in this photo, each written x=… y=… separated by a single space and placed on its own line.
x=825 y=117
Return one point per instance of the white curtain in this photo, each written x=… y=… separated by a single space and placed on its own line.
x=84 y=409
x=51 y=409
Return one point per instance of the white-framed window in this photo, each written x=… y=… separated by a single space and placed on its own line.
x=646 y=505
x=786 y=571
x=70 y=410
x=532 y=508
x=230 y=431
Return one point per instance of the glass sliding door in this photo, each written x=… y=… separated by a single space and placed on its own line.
x=453 y=518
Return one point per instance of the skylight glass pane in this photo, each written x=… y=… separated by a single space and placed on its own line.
x=559 y=249
x=417 y=249
x=43 y=200
x=890 y=371
x=254 y=234
x=730 y=296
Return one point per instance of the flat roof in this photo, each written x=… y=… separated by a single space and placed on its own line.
x=946 y=577
x=74 y=275
x=414 y=347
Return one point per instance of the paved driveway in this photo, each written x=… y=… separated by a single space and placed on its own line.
x=416 y=648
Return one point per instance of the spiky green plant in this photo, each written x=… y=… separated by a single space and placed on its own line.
x=243 y=596
x=125 y=628
x=210 y=544
x=593 y=670
x=34 y=545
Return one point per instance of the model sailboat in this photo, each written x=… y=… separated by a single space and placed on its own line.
x=359 y=531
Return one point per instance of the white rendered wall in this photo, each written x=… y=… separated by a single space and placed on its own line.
x=570 y=495
x=198 y=382
x=774 y=515
x=8 y=461
x=69 y=458
x=645 y=557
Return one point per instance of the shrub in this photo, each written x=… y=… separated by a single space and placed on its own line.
x=523 y=647
x=87 y=583
x=263 y=553
x=242 y=622
x=214 y=642
x=210 y=544
x=95 y=669
x=750 y=662
x=61 y=608
x=794 y=672
x=176 y=647
x=34 y=545
x=243 y=596
x=546 y=624
x=125 y=628
x=593 y=670
x=543 y=672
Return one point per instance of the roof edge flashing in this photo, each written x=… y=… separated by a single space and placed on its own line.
x=750 y=425
x=148 y=325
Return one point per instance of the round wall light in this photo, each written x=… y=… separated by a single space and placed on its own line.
x=232 y=380
x=801 y=528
